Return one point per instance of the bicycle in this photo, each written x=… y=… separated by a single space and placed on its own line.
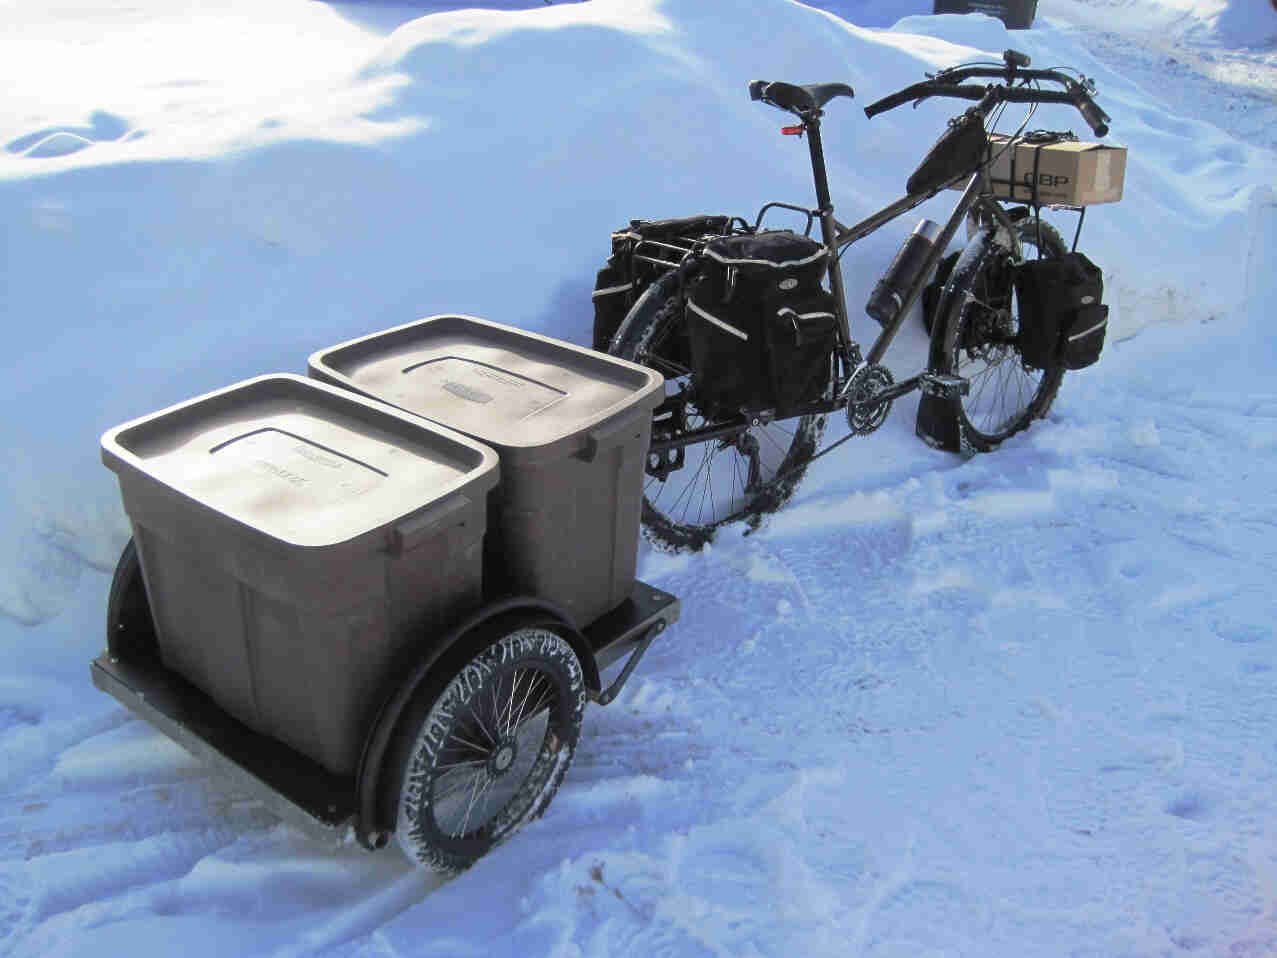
x=708 y=466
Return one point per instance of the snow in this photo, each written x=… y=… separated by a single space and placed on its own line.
x=1015 y=705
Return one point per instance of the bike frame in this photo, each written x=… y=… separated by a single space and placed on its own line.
x=977 y=197
x=978 y=194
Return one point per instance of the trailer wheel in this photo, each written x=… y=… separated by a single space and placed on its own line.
x=485 y=753
x=130 y=631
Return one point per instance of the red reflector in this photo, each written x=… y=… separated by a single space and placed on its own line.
x=792 y=130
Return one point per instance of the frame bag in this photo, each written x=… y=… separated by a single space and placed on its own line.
x=962 y=147
x=1061 y=317
x=760 y=327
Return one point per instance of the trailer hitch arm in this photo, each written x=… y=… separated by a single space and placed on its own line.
x=608 y=695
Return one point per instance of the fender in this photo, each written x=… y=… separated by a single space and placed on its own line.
x=652 y=299
x=371 y=828
x=937 y=423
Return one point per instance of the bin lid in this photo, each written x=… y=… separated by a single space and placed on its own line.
x=300 y=461
x=524 y=393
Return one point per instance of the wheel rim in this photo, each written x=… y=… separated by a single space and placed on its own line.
x=722 y=480
x=1004 y=394
x=491 y=748
x=726 y=479
x=1002 y=387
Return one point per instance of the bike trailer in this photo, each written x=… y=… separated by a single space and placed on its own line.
x=293 y=537
x=571 y=426
x=300 y=608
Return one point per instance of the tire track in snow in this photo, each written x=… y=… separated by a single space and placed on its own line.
x=124 y=779
x=45 y=888
x=31 y=749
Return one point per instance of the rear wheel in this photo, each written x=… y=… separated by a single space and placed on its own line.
x=692 y=492
x=484 y=754
x=980 y=343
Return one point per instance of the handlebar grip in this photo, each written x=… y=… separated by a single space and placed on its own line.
x=756 y=89
x=891 y=102
x=1094 y=116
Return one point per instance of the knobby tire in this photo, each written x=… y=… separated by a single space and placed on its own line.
x=981 y=318
x=687 y=509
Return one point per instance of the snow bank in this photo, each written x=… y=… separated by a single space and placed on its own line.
x=1006 y=706
x=227 y=222
x=1226 y=23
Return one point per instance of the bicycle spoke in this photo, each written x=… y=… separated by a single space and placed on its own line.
x=507 y=726
x=474 y=794
x=475 y=761
x=784 y=450
x=683 y=507
x=709 y=451
x=455 y=737
x=1003 y=393
x=478 y=720
x=527 y=694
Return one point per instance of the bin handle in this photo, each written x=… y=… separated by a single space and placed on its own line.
x=412 y=532
x=610 y=434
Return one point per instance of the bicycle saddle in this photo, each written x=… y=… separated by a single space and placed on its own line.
x=795 y=98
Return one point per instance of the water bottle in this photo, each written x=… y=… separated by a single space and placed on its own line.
x=888 y=295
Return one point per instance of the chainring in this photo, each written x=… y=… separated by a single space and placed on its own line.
x=865 y=413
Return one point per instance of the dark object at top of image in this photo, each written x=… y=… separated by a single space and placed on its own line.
x=1016 y=14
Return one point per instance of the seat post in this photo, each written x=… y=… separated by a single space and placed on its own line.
x=828 y=226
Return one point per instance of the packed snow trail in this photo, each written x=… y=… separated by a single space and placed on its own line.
x=1020 y=704
x=1219 y=65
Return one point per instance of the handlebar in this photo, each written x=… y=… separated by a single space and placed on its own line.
x=949 y=83
x=1094 y=116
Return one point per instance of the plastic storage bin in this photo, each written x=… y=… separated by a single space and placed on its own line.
x=571 y=426
x=293 y=537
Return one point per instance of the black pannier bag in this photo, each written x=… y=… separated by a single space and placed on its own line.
x=800 y=340
x=613 y=297
x=959 y=152
x=760 y=327
x=622 y=281
x=1061 y=316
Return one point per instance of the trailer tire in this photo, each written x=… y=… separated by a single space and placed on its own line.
x=484 y=748
x=130 y=630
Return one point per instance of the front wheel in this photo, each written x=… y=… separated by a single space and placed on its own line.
x=980 y=341
x=484 y=754
x=691 y=493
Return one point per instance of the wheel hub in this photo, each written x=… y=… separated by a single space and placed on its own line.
x=503 y=757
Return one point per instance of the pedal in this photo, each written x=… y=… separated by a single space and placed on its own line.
x=944 y=386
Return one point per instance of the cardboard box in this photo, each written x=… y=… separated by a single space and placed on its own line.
x=1068 y=173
